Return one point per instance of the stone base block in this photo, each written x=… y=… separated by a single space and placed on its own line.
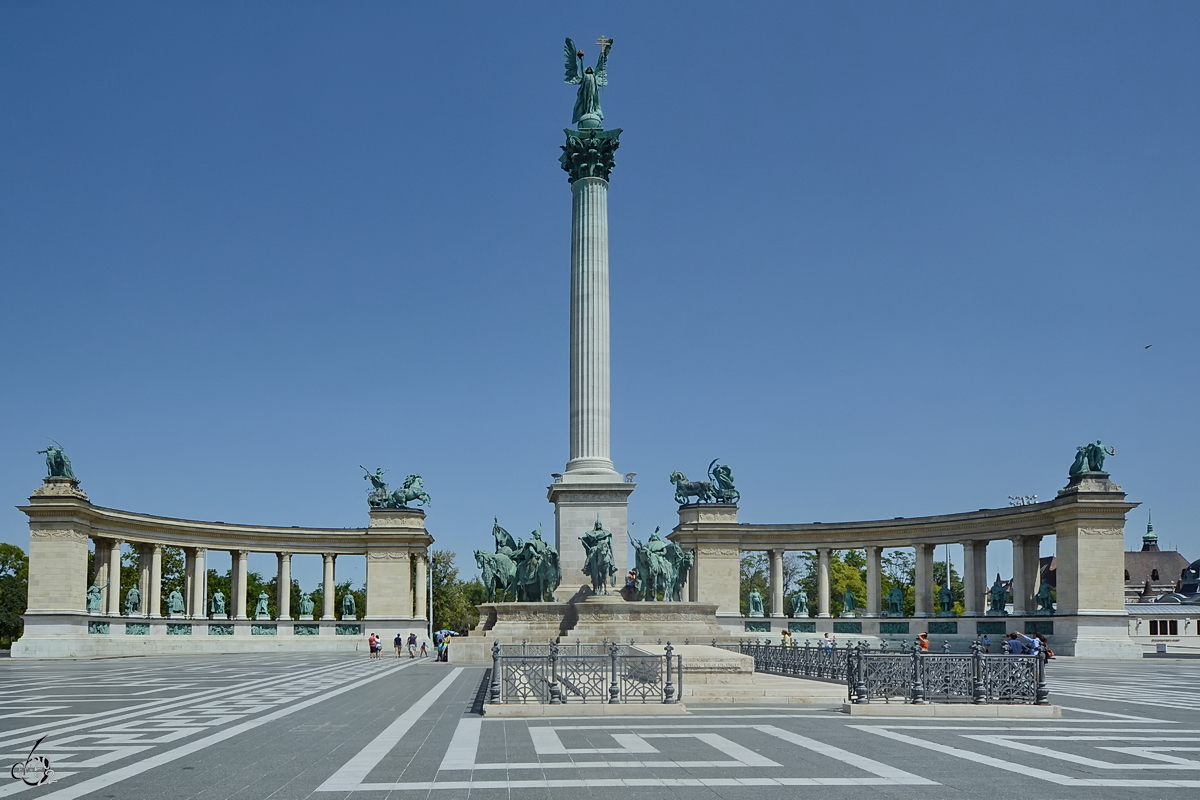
x=959 y=710
x=584 y=710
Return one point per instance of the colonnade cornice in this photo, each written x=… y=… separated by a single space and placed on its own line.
x=109 y=523
x=1037 y=519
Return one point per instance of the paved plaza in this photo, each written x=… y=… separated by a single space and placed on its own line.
x=328 y=727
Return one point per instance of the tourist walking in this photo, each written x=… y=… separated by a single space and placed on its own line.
x=371 y=643
x=923 y=641
x=786 y=638
x=412 y=645
x=424 y=649
x=398 y=642
x=987 y=644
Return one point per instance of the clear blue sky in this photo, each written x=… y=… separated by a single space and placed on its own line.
x=884 y=259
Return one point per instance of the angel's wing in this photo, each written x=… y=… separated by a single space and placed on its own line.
x=602 y=65
x=572 y=64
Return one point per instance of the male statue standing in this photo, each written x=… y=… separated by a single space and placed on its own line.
x=895 y=602
x=348 y=609
x=306 y=606
x=260 y=608
x=94 y=598
x=756 y=604
x=997 y=599
x=218 y=604
x=175 y=602
x=133 y=602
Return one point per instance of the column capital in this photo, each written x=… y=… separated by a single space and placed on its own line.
x=589 y=153
x=328 y=557
x=284 y=554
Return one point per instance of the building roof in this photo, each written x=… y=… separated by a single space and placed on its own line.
x=1142 y=564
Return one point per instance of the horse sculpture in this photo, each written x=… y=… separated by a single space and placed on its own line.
x=701 y=490
x=499 y=574
x=654 y=570
x=681 y=562
x=413 y=489
x=538 y=570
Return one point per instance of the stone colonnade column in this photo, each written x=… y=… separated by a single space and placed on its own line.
x=776 y=583
x=327 y=589
x=284 y=601
x=1026 y=561
x=589 y=327
x=143 y=551
x=974 y=578
x=189 y=582
x=874 y=568
x=200 y=583
x=421 y=587
x=239 y=595
x=100 y=573
x=155 y=596
x=114 y=576
x=923 y=580
x=823 y=582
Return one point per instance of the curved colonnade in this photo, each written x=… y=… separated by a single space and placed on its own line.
x=62 y=521
x=1087 y=519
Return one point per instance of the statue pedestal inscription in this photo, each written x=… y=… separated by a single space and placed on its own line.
x=306 y=616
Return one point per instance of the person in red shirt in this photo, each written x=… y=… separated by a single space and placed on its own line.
x=374 y=644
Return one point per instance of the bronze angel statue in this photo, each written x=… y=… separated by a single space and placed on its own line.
x=587 y=112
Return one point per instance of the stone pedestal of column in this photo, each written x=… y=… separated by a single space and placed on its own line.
x=576 y=507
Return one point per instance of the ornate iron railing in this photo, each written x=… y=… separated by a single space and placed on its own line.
x=910 y=676
x=548 y=673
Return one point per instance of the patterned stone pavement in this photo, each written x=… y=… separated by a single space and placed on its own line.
x=329 y=727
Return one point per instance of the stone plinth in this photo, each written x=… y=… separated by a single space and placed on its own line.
x=593 y=620
x=577 y=504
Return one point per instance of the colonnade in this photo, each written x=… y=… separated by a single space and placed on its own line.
x=1026 y=564
x=413 y=603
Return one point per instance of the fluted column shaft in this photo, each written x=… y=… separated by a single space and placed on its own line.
x=421 y=587
x=114 y=576
x=144 y=579
x=974 y=578
x=923 y=580
x=1026 y=563
x=100 y=575
x=328 y=587
x=823 y=582
x=589 y=328
x=776 y=583
x=200 y=583
x=874 y=568
x=155 y=595
x=284 y=601
x=240 y=558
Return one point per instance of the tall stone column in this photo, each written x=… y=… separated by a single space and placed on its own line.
x=776 y=583
x=823 y=582
x=200 y=583
x=143 y=554
x=421 y=587
x=240 y=559
x=327 y=587
x=874 y=569
x=155 y=594
x=284 y=581
x=974 y=578
x=923 y=590
x=1026 y=561
x=694 y=577
x=114 y=576
x=189 y=582
x=590 y=487
x=100 y=570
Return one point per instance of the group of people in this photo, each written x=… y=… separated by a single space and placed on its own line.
x=375 y=641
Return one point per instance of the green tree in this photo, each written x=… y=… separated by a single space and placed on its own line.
x=453 y=605
x=14 y=593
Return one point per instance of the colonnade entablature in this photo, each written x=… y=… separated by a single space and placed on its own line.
x=62 y=521
x=1087 y=519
